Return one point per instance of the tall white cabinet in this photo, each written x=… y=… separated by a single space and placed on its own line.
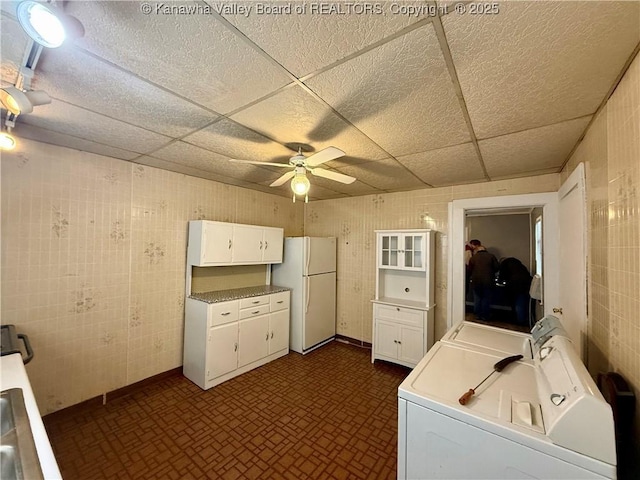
x=403 y=309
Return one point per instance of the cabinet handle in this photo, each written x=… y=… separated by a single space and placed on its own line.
x=399 y=342
x=398 y=308
x=271 y=334
x=266 y=244
x=395 y=341
x=267 y=337
x=255 y=302
x=280 y=301
x=229 y=243
x=260 y=244
x=224 y=314
x=257 y=311
x=235 y=347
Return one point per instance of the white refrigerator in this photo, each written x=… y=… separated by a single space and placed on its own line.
x=309 y=270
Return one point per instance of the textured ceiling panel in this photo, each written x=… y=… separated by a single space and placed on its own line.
x=196 y=157
x=385 y=174
x=320 y=39
x=75 y=77
x=13 y=43
x=235 y=141
x=531 y=150
x=354 y=189
x=194 y=55
x=447 y=166
x=65 y=118
x=294 y=115
x=538 y=63
x=399 y=94
x=23 y=130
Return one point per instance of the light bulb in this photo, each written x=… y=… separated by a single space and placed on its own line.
x=300 y=184
x=42 y=23
x=7 y=142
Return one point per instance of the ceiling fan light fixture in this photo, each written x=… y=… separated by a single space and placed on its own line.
x=46 y=24
x=300 y=184
x=19 y=102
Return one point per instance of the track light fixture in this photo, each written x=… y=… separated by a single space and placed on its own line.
x=46 y=24
x=19 y=102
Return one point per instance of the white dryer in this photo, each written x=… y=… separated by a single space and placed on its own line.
x=536 y=419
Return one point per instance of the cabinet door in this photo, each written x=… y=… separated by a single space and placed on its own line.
x=278 y=331
x=222 y=350
x=247 y=244
x=411 y=347
x=390 y=247
x=216 y=244
x=386 y=341
x=273 y=239
x=253 y=339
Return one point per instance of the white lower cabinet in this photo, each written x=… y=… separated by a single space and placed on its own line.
x=400 y=334
x=225 y=339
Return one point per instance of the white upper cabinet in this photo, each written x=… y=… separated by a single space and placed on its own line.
x=220 y=243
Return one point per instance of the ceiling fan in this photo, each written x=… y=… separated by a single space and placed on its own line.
x=301 y=165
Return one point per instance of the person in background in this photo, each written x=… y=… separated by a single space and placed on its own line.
x=483 y=267
x=517 y=281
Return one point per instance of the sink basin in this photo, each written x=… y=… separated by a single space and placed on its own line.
x=18 y=455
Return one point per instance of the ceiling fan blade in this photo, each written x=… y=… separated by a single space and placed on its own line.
x=324 y=155
x=255 y=162
x=338 y=177
x=283 y=179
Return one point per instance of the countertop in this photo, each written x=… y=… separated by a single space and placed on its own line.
x=14 y=375
x=236 y=293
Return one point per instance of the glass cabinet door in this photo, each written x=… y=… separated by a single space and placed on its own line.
x=390 y=251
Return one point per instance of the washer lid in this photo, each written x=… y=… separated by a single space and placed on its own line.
x=478 y=337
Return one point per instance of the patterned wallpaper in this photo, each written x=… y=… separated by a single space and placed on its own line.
x=353 y=221
x=93 y=263
x=611 y=153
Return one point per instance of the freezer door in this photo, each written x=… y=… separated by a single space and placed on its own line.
x=319 y=309
x=319 y=255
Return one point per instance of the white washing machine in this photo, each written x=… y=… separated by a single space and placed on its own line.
x=536 y=419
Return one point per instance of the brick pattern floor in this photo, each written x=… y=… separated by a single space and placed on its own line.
x=328 y=414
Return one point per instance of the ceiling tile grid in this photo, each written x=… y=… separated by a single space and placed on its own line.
x=188 y=92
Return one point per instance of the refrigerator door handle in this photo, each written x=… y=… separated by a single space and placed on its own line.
x=306 y=291
x=307 y=256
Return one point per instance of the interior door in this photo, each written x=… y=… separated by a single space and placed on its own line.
x=319 y=309
x=572 y=306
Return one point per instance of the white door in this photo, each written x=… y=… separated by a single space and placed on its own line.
x=253 y=339
x=319 y=255
x=411 y=349
x=247 y=244
x=319 y=309
x=279 y=331
x=217 y=242
x=386 y=341
x=572 y=305
x=272 y=251
x=222 y=350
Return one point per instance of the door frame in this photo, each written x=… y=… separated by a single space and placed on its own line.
x=457 y=221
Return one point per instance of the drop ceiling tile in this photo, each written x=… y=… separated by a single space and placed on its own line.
x=385 y=174
x=294 y=115
x=235 y=141
x=187 y=170
x=193 y=55
x=446 y=166
x=13 y=44
x=198 y=158
x=320 y=39
x=22 y=130
x=71 y=120
x=399 y=94
x=531 y=150
x=72 y=75
x=538 y=63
